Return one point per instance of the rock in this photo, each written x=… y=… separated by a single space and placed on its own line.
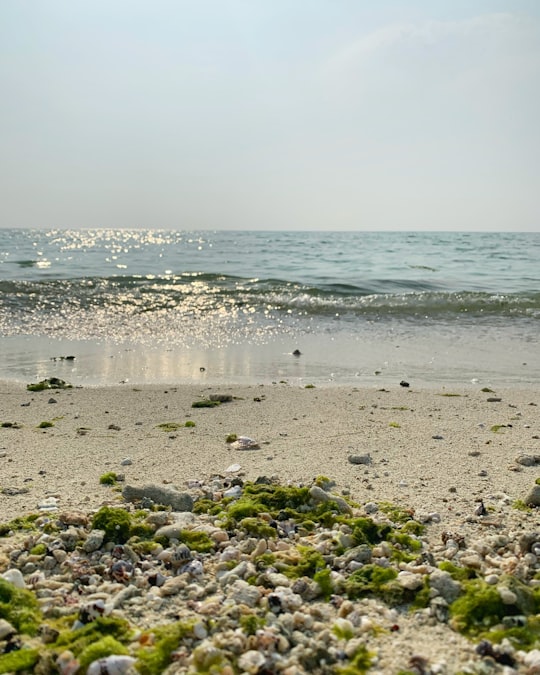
x=222 y=398
x=319 y=495
x=245 y=443
x=359 y=459
x=528 y=460
x=533 y=498
x=445 y=585
x=6 y=629
x=410 y=581
x=15 y=577
x=178 y=501
x=244 y=594
x=493 y=399
x=94 y=541
x=404 y=384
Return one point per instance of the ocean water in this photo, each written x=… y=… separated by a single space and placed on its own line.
x=362 y=307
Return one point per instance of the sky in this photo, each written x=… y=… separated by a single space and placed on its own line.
x=270 y=114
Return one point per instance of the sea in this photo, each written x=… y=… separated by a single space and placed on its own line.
x=137 y=306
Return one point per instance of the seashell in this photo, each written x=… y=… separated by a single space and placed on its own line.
x=245 y=443
x=194 y=569
x=89 y=613
x=67 y=664
x=233 y=468
x=180 y=555
x=251 y=661
x=121 y=571
x=111 y=665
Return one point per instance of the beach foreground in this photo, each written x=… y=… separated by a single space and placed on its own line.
x=459 y=460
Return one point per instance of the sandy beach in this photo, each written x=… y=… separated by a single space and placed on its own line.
x=437 y=451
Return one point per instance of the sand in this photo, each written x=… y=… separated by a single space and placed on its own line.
x=435 y=450
x=432 y=449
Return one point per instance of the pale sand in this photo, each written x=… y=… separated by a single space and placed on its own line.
x=302 y=433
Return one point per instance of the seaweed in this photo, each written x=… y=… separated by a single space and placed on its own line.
x=49 y=383
x=324 y=579
x=106 y=646
x=197 y=541
x=19 y=607
x=251 y=623
x=21 y=659
x=205 y=403
x=116 y=524
x=170 y=426
x=19 y=523
x=109 y=478
x=359 y=664
x=307 y=565
x=45 y=425
x=153 y=660
x=374 y=580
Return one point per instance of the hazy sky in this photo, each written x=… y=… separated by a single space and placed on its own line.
x=270 y=114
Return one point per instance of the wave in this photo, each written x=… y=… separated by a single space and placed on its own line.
x=207 y=293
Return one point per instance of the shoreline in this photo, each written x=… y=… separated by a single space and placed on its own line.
x=422 y=443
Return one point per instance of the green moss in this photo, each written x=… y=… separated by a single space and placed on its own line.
x=487 y=390
x=397 y=514
x=11 y=425
x=80 y=639
x=197 y=541
x=45 y=425
x=22 y=659
x=309 y=563
x=324 y=579
x=394 y=425
x=480 y=607
x=457 y=573
x=205 y=403
x=116 y=524
x=373 y=580
x=154 y=660
x=169 y=426
x=190 y=424
x=450 y=395
x=497 y=427
x=251 y=623
x=523 y=637
x=19 y=607
x=207 y=506
x=50 y=383
x=107 y=646
x=341 y=632
x=231 y=438
x=406 y=541
x=39 y=549
x=258 y=528
x=141 y=531
x=19 y=523
x=367 y=531
x=520 y=505
x=109 y=478
x=309 y=386
x=359 y=664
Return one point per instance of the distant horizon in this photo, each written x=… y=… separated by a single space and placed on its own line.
x=271 y=115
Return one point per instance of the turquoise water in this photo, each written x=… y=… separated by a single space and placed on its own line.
x=157 y=306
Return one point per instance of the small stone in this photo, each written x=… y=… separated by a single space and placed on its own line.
x=533 y=498
x=244 y=594
x=113 y=427
x=359 y=459
x=15 y=577
x=507 y=596
x=403 y=383
x=94 y=541
x=493 y=399
x=127 y=461
x=52 y=400
x=528 y=460
x=178 y=501
x=319 y=495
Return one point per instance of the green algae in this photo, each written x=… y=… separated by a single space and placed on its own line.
x=38 y=549
x=497 y=427
x=20 y=523
x=116 y=524
x=45 y=425
x=154 y=659
x=374 y=580
x=480 y=607
x=359 y=664
x=109 y=478
x=457 y=573
x=324 y=579
x=81 y=639
x=190 y=424
x=367 y=531
x=205 y=403
x=49 y=383
x=19 y=607
x=231 y=438
x=394 y=425
x=170 y=426
x=251 y=623
x=309 y=563
x=259 y=528
x=397 y=514
x=197 y=541
x=21 y=659
x=106 y=646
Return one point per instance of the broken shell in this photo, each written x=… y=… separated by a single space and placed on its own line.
x=245 y=443
x=111 y=665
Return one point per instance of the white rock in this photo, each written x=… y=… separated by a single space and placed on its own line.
x=15 y=577
x=244 y=594
x=507 y=596
x=233 y=468
x=251 y=661
x=409 y=580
